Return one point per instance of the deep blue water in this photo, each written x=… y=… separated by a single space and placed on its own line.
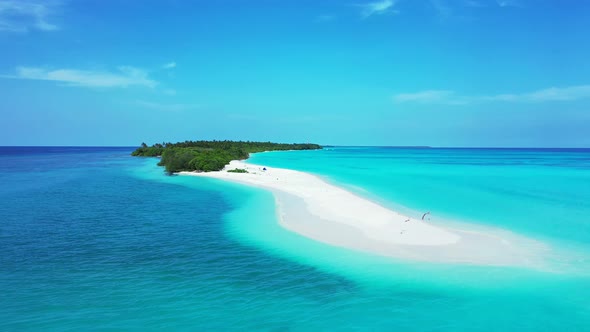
x=93 y=239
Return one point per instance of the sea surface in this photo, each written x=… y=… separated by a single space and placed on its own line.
x=92 y=239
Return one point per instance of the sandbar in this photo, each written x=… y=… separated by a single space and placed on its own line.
x=312 y=207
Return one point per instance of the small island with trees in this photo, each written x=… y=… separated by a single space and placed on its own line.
x=207 y=156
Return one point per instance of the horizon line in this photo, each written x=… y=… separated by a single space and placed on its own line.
x=323 y=145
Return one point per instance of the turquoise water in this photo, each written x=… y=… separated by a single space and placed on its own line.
x=542 y=193
x=92 y=239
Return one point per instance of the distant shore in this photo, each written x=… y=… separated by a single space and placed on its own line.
x=316 y=209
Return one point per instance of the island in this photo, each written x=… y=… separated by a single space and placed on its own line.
x=310 y=206
x=208 y=156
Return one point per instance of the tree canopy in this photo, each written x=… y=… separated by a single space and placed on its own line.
x=207 y=156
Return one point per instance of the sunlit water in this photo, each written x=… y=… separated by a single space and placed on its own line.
x=92 y=239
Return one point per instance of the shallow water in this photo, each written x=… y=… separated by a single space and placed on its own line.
x=92 y=239
x=538 y=192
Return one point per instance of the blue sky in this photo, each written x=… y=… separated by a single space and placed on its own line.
x=406 y=72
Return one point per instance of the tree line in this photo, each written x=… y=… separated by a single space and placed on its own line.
x=207 y=156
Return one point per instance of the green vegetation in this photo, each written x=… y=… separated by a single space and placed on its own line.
x=237 y=170
x=207 y=156
x=148 y=151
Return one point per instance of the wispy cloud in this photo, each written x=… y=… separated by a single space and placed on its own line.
x=475 y=3
x=451 y=98
x=377 y=8
x=24 y=15
x=549 y=94
x=509 y=3
x=169 y=65
x=442 y=8
x=125 y=76
x=428 y=96
x=165 y=107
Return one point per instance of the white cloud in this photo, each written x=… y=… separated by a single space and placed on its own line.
x=166 y=107
x=377 y=8
x=125 y=76
x=451 y=98
x=24 y=15
x=169 y=65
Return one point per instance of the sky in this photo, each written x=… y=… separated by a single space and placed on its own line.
x=462 y=73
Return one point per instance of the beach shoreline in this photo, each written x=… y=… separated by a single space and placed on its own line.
x=312 y=207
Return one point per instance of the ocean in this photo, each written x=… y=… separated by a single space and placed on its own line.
x=94 y=239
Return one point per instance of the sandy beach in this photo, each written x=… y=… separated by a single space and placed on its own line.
x=310 y=206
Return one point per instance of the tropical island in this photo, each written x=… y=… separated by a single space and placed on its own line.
x=208 y=156
x=314 y=208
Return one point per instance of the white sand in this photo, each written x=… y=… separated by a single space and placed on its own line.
x=314 y=208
